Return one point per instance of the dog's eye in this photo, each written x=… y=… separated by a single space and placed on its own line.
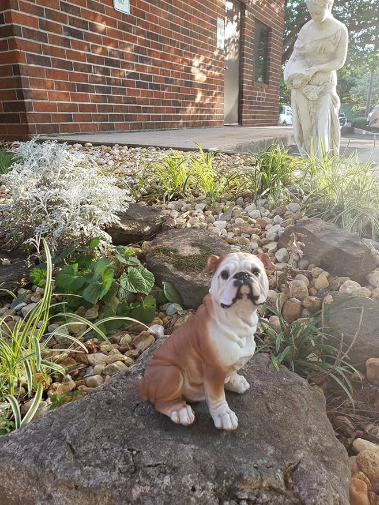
x=255 y=272
x=224 y=274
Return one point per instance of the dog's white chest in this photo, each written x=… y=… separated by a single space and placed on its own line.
x=234 y=346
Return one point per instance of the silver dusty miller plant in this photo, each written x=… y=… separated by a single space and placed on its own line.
x=61 y=194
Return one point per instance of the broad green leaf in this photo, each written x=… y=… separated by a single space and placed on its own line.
x=171 y=293
x=159 y=295
x=84 y=261
x=131 y=261
x=144 y=311
x=68 y=280
x=111 y=292
x=100 y=266
x=137 y=280
x=62 y=255
x=93 y=292
x=38 y=276
x=96 y=290
x=93 y=243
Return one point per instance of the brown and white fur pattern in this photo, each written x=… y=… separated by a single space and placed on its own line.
x=201 y=358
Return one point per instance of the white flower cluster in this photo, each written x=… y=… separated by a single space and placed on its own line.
x=61 y=194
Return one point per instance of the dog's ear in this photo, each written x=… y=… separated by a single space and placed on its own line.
x=212 y=264
x=265 y=259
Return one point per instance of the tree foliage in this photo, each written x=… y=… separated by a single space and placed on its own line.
x=360 y=16
x=362 y=20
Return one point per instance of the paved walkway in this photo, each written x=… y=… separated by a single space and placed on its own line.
x=226 y=138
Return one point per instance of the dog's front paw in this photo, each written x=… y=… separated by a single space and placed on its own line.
x=184 y=416
x=225 y=420
x=237 y=384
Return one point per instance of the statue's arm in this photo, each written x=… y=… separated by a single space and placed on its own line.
x=287 y=69
x=339 y=58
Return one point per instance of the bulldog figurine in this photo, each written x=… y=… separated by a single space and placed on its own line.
x=201 y=358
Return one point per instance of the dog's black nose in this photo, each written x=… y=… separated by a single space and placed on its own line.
x=241 y=276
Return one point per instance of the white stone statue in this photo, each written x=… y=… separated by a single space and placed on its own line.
x=319 y=51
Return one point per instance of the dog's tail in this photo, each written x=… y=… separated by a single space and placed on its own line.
x=141 y=385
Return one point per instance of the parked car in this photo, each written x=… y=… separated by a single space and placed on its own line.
x=342 y=118
x=285 y=116
x=373 y=117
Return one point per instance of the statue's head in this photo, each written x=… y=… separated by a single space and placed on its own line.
x=319 y=9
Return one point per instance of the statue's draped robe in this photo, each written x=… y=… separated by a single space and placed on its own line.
x=315 y=105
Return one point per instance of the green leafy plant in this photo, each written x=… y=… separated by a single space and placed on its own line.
x=24 y=344
x=303 y=348
x=7 y=159
x=275 y=172
x=171 y=176
x=59 y=400
x=119 y=281
x=208 y=179
x=342 y=190
x=360 y=122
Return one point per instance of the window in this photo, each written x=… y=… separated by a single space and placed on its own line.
x=261 y=39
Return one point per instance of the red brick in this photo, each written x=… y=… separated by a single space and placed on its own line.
x=59 y=96
x=19 y=18
x=45 y=107
x=135 y=68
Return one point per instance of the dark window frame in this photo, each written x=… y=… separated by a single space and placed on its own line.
x=261 y=52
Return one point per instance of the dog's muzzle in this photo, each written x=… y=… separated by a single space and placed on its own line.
x=242 y=279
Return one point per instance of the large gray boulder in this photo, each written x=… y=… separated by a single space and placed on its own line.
x=345 y=320
x=15 y=274
x=338 y=251
x=179 y=257
x=112 y=449
x=137 y=223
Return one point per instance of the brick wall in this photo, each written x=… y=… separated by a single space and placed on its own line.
x=260 y=101
x=80 y=66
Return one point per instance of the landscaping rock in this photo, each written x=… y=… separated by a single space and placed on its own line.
x=291 y=310
x=15 y=272
x=110 y=448
x=345 y=319
x=372 y=370
x=137 y=223
x=337 y=251
x=179 y=257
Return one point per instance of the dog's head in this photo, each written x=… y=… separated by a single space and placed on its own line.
x=239 y=276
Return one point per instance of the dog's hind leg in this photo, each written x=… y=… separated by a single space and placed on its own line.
x=168 y=396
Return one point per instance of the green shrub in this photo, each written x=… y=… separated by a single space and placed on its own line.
x=60 y=193
x=359 y=122
x=119 y=281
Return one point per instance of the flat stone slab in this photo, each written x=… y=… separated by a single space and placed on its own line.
x=338 y=251
x=137 y=223
x=112 y=449
x=179 y=257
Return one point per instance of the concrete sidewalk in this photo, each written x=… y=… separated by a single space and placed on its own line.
x=226 y=138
